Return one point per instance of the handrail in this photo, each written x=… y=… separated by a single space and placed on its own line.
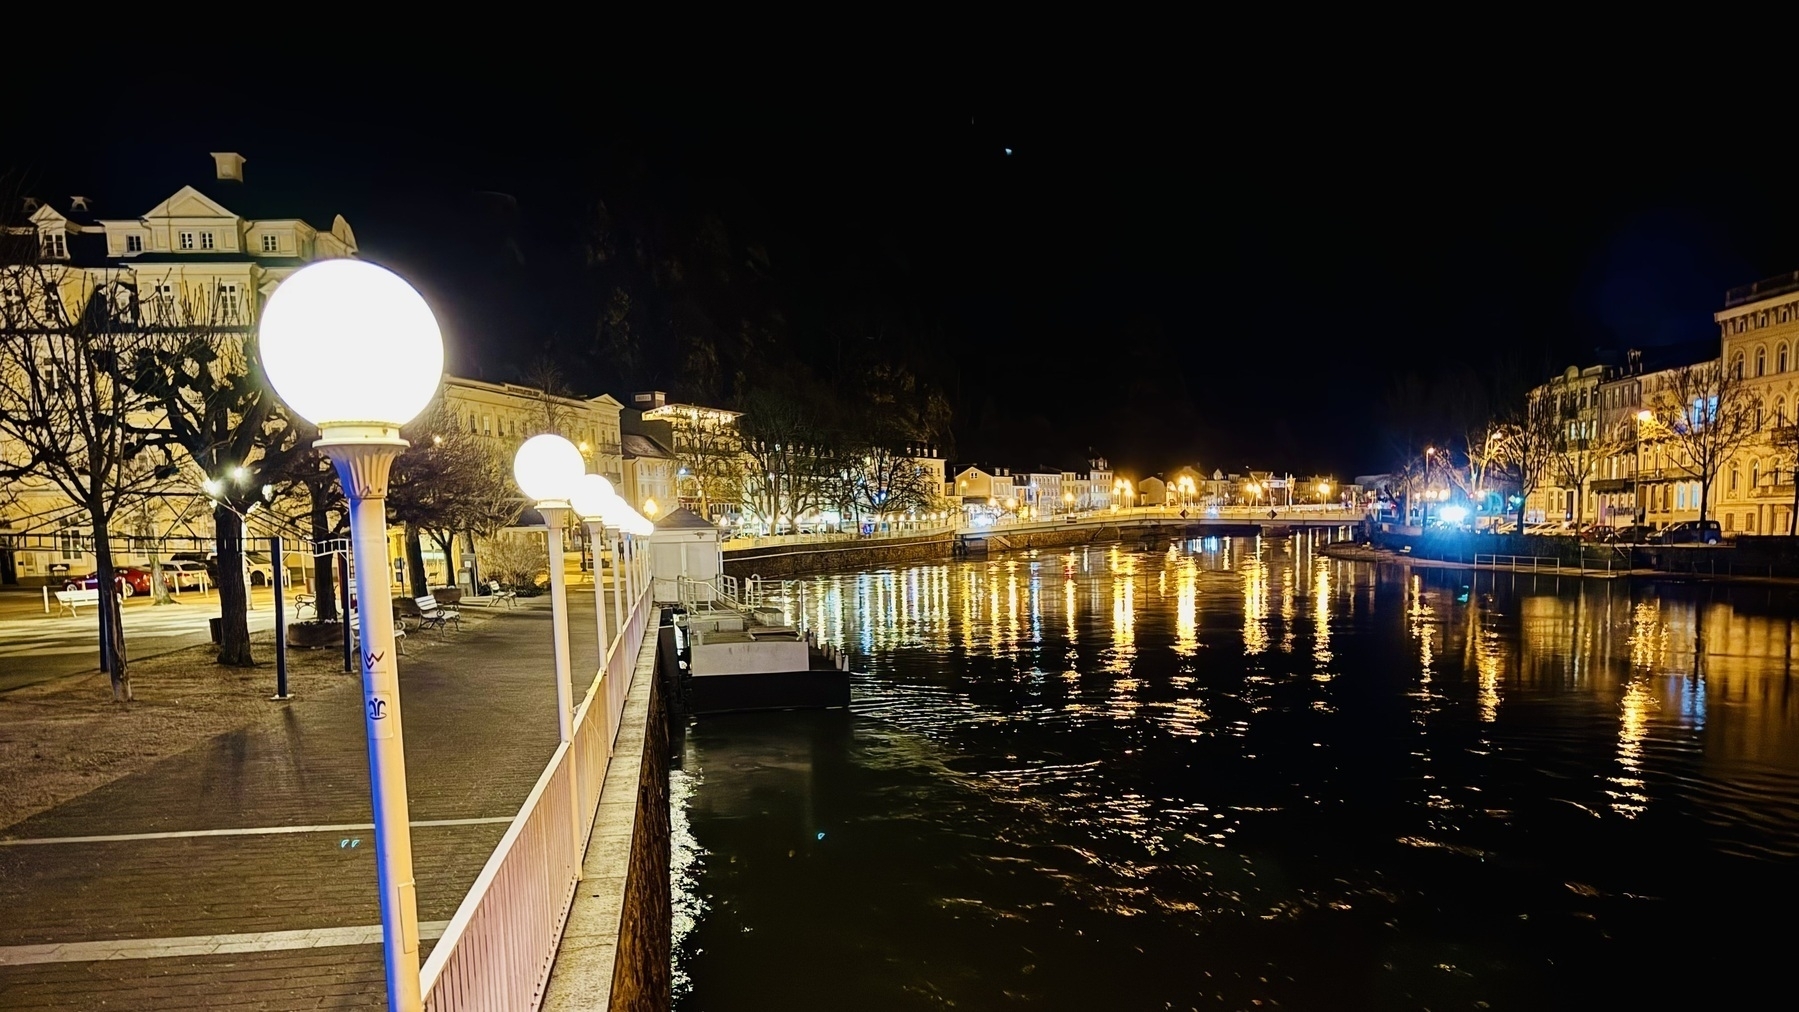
x=499 y=946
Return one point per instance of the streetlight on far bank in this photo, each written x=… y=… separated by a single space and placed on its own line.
x=354 y=349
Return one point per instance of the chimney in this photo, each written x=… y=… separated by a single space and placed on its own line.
x=229 y=164
x=78 y=203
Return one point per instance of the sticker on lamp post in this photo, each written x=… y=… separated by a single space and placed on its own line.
x=379 y=707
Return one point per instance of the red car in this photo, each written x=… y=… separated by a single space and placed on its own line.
x=129 y=579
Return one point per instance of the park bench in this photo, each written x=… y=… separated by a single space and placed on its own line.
x=70 y=600
x=399 y=631
x=431 y=613
x=499 y=595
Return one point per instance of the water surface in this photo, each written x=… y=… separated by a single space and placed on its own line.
x=1236 y=774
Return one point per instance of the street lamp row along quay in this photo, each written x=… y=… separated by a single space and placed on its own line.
x=355 y=350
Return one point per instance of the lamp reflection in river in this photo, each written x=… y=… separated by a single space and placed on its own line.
x=1633 y=726
x=1255 y=598
x=1186 y=608
x=1321 y=616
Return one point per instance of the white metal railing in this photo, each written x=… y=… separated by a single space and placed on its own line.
x=497 y=950
x=1525 y=563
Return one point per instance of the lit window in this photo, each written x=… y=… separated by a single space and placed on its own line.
x=271 y=243
x=187 y=240
x=134 y=244
x=56 y=246
x=228 y=300
x=1761 y=361
x=206 y=240
x=1780 y=359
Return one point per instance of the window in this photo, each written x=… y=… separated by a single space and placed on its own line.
x=1780 y=411
x=1755 y=475
x=68 y=540
x=1736 y=365
x=56 y=245
x=134 y=244
x=229 y=305
x=1680 y=497
x=1730 y=521
x=1734 y=475
x=1749 y=522
x=270 y=243
x=1780 y=359
x=487 y=425
x=1761 y=361
x=187 y=240
x=206 y=240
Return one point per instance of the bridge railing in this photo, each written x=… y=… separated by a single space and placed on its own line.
x=498 y=948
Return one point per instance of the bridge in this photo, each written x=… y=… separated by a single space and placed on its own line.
x=1124 y=523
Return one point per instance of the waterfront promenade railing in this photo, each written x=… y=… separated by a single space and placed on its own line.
x=498 y=948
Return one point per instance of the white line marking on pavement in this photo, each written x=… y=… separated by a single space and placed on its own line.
x=254 y=831
x=202 y=945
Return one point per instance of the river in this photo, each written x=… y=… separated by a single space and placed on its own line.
x=1236 y=774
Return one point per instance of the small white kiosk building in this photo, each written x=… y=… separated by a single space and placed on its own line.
x=684 y=544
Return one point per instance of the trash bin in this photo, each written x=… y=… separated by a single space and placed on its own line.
x=214 y=623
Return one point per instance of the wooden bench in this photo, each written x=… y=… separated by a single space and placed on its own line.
x=431 y=613
x=70 y=600
x=499 y=595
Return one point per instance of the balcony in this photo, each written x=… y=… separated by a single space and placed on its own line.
x=1780 y=284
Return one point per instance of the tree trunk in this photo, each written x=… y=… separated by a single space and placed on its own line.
x=415 y=563
x=445 y=542
x=1705 y=494
x=159 y=592
x=234 y=597
x=324 y=583
x=112 y=629
x=1793 y=518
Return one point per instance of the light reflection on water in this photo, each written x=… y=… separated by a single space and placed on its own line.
x=1236 y=771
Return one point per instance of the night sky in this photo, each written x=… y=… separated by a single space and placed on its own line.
x=1165 y=273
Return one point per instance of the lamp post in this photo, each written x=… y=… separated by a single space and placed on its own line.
x=548 y=469
x=589 y=500
x=352 y=348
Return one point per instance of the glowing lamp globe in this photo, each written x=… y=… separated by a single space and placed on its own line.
x=347 y=343
x=548 y=468
x=590 y=495
x=616 y=511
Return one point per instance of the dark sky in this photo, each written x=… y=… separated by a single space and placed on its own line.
x=1167 y=271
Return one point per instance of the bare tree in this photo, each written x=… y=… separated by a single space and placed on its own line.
x=69 y=414
x=448 y=481
x=1577 y=450
x=1701 y=415
x=1525 y=446
x=1785 y=441
x=708 y=457
x=204 y=376
x=551 y=391
x=793 y=463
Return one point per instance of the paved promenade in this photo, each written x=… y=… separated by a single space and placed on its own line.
x=241 y=875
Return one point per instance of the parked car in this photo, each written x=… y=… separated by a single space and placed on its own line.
x=262 y=571
x=129 y=579
x=1633 y=534
x=1691 y=532
x=205 y=559
x=183 y=574
x=1603 y=534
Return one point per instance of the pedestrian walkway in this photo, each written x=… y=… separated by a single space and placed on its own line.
x=241 y=873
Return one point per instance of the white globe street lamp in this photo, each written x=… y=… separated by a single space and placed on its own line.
x=548 y=470
x=352 y=348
